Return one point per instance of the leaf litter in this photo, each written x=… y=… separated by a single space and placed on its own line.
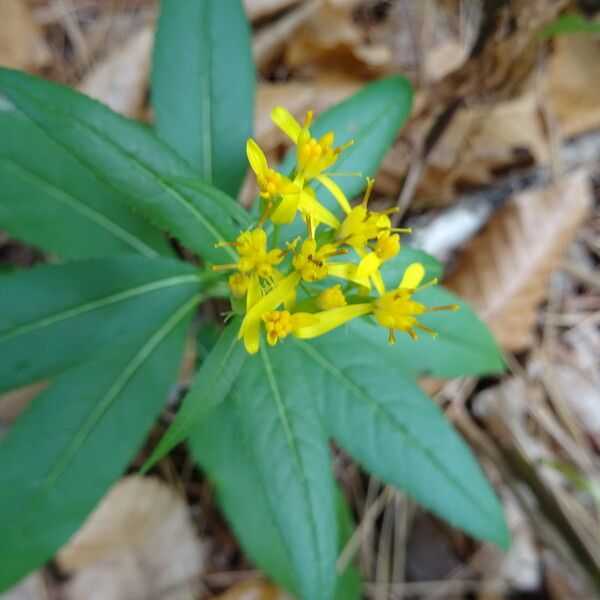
x=495 y=107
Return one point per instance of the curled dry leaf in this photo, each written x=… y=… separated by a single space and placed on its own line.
x=139 y=543
x=22 y=45
x=504 y=270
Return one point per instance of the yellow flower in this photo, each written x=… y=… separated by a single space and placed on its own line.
x=311 y=261
x=331 y=298
x=270 y=294
x=250 y=328
x=362 y=225
x=397 y=311
x=251 y=247
x=279 y=324
x=387 y=246
x=273 y=186
x=285 y=196
x=313 y=156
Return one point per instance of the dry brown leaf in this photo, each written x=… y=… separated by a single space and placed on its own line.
x=254 y=590
x=479 y=142
x=297 y=97
x=259 y=9
x=139 y=543
x=121 y=79
x=30 y=588
x=520 y=567
x=22 y=45
x=270 y=40
x=572 y=81
x=503 y=271
x=332 y=38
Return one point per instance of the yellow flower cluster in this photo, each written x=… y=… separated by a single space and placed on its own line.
x=282 y=288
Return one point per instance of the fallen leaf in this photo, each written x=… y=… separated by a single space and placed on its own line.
x=139 y=543
x=297 y=97
x=270 y=40
x=30 y=588
x=481 y=141
x=572 y=82
x=259 y=9
x=581 y=393
x=254 y=590
x=504 y=270
x=22 y=45
x=520 y=567
x=120 y=80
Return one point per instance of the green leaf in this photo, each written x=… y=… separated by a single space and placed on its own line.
x=286 y=441
x=573 y=23
x=463 y=346
x=203 y=86
x=377 y=412
x=52 y=317
x=372 y=118
x=50 y=200
x=211 y=384
x=219 y=447
x=76 y=439
x=126 y=157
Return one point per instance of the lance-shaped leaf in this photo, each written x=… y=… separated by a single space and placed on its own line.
x=211 y=384
x=52 y=317
x=379 y=414
x=76 y=439
x=289 y=448
x=203 y=86
x=128 y=158
x=219 y=446
x=50 y=200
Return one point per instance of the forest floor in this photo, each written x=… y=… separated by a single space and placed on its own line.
x=498 y=174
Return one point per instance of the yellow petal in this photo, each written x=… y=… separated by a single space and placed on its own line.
x=330 y=319
x=412 y=276
x=254 y=292
x=269 y=302
x=347 y=271
x=336 y=192
x=378 y=283
x=252 y=338
x=256 y=157
x=368 y=265
x=286 y=211
x=309 y=204
x=284 y=120
x=303 y=319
